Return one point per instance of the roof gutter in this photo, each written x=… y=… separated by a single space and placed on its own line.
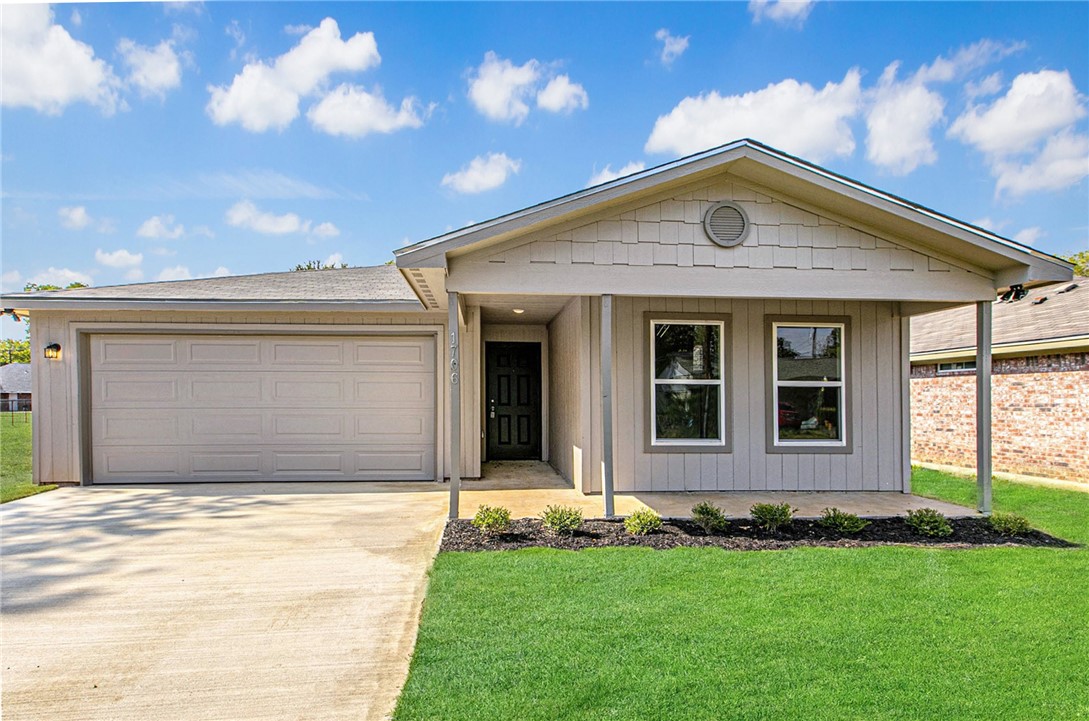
x=23 y=304
x=1049 y=346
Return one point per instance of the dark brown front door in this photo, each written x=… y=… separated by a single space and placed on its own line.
x=513 y=400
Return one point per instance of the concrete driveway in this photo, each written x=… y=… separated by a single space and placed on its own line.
x=240 y=601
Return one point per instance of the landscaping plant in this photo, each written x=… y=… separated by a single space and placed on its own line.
x=1009 y=524
x=642 y=522
x=842 y=521
x=709 y=517
x=772 y=516
x=492 y=520
x=928 y=522
x=561 y=520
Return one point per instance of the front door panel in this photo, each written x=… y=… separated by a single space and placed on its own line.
x=513 y=400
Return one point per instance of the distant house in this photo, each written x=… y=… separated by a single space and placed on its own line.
x=1040 y=406
x=15 y=387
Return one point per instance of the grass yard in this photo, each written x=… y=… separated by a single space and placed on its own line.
x=15 y=459
x=872 y=633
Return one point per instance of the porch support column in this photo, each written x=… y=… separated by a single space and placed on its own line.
x=607 y=404
x=454 y=327
x=983 y=407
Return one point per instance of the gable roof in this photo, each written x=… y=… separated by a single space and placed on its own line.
x=15 y=378
x=381 y=287
x=763 y=166
x=1063 y=316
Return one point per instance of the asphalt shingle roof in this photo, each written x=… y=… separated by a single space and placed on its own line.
x=15 y=378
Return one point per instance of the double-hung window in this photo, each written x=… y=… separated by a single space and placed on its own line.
x=808 y=373
x=688 y=391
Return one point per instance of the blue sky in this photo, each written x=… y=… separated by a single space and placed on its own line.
x=163 y=141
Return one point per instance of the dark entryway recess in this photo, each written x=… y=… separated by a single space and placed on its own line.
x=512 y=372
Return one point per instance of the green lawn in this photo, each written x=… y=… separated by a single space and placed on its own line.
x=15 y=458
x=873 y=633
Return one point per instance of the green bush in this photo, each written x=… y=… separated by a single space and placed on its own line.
x=709 y=517
x=642 y=522
x=561 y=520
x=492 y=520
x=928 y=522
x=837 y=520
x=1009 y=524
x=772 y=516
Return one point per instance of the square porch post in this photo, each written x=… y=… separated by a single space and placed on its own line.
x=454 y=328
x=607 y=404
x=983 y=407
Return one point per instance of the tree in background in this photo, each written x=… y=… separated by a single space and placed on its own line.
x=1080 y=261
x=318 y=265
x=33 y=287
x=14 y=351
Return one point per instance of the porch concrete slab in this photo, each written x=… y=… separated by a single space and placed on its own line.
x=217 y=601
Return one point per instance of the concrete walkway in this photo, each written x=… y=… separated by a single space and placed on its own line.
x=241 y=601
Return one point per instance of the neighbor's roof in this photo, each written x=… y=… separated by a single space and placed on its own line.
x=381 y=285
x=15 y=378
x=1063 y=316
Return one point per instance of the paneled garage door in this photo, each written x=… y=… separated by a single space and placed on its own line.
x=277 y=408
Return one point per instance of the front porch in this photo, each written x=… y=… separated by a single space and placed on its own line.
x=527 y=487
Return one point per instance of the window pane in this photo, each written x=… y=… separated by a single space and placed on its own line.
x=686 y=351
x=809 y=414
x=687 y=411
x=808 y=354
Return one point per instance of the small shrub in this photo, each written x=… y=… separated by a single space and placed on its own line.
x=561 y=520
x=709 y=517
x=492 y=520
x=1009 y=524
x=772 y=516
x=837 y=520
x=642 y=522
x=928 y=522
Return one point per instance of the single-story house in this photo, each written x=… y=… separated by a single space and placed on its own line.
x=734 y=320
x=15 y=391
x=1040 y=367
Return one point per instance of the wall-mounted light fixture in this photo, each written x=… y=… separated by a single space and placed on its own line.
x=53 y=351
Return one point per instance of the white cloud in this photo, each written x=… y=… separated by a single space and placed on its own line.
x=1063 y=162
x=77 y=19
x=607 y=173
x=11 y=281
x=300 y=29
x=482 y=173
x=234 y=32
x=326 y=230
x=1036 y=106
x=672 y=46
x=899 y=122
x=499 y=88
x=245 y=214
x=353 y=112
x=792 y=116
x=119 y=258
x=162 y=227
x=563 y=96
x=334 y=260
x=220 y=272
x=152 y=70
x=990 y=85
x=134 y=275
x=75 y=218
x=164 y=251
x=266 y=94
x=1029 y=236
x=783 y=12
x=988 y=223
x=59 y=276
x=178 y=272
x=106 y=226
x=968 y=58
x=203 y=231
x=45 y=68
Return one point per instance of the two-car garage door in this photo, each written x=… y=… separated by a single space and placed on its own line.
x=278 y=408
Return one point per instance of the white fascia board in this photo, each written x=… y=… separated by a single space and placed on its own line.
x=32 y=304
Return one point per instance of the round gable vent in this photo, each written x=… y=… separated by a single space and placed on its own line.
x=726 y=224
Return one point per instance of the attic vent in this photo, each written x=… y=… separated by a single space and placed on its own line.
x=726 y=224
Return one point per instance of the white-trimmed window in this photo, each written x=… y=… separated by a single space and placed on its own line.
x=688 y=387
x=957 y=367
x=808 y=373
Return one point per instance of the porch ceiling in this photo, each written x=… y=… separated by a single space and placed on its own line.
x=537 y=309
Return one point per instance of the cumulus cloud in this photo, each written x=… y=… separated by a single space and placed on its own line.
x=266 y=94
x=334 y=260
x=351 y=111
x=484 y=172
x=62 y=277
x=792 y=116
x=119 y=258
x=499 y=88
x=220 y=272
x=161 y=227
x=563 y=96
x=672 y=46
x=1029 y=236
x=990 y=85
x=178 y=272
x=46 y=69
x=244 y=214
x=11 y=281
x=783 y=12
x=75 y=217
x=607 y=173
x=152 y=70
x=1063 y=162
x=899 y=123
x=326 y=230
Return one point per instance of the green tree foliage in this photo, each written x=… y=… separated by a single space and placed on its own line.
x=14 y=351
x=1080 y=261
x=34 y=287
x=318 y=265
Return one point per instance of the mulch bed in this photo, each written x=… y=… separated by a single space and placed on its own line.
x=741 y=535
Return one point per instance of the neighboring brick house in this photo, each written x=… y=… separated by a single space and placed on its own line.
x=15 y=387
x=1040 y=406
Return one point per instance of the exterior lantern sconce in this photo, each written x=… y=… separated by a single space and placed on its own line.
x=53 y=351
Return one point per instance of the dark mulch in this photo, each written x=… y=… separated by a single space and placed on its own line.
x=740 y=535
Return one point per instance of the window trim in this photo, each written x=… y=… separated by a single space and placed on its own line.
x=772 y=442
x=951 y=371
x=724 y=383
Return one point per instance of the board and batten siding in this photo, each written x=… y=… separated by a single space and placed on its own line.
x=56 y=384
x=565 y=419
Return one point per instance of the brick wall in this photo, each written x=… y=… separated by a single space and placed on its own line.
x=1040 y=416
